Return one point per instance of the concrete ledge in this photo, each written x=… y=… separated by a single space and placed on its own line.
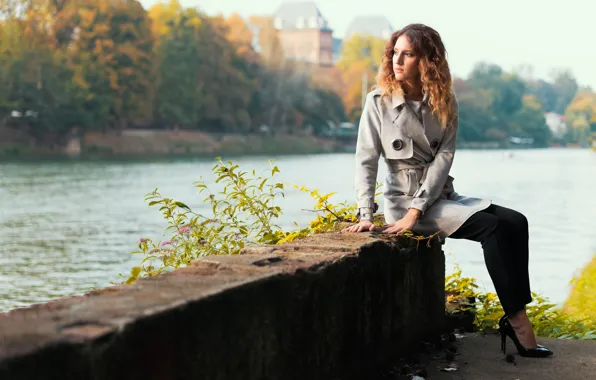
x=330 y=306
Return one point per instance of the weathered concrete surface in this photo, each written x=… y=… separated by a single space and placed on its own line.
x=480 y=358
x=331 y=306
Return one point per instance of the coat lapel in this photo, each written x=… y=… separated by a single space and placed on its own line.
x=403 y=117
x=432 y=127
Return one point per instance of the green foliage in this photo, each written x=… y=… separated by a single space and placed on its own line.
x=242 y=213
x=529 y=122
x=495 y=105
x=549 y=321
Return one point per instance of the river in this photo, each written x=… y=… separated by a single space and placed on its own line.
x=68 y=226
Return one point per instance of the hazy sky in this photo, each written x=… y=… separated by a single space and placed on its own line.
x=506 y=32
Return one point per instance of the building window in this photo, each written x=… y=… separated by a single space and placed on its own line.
x=300 y=23
x=313 y=22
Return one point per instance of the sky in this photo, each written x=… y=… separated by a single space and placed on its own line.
x=510 y=33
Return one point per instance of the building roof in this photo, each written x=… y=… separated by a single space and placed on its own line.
x=377 y=26
x=299 y=15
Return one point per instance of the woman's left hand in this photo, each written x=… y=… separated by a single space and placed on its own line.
x=406 y=223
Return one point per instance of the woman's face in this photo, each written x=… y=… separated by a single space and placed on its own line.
x=405 y=61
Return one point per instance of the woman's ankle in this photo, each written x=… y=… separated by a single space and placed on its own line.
x=518 y=317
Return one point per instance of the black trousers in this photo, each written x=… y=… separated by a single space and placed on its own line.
x=503 y=234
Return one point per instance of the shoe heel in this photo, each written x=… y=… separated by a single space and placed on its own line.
x=503 y=342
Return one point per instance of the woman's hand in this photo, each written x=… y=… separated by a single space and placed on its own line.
x=362 y=226
x=406 y=223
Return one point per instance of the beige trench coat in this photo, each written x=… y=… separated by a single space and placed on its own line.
x=419 y=156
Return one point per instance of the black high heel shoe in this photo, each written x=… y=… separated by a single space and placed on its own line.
x=506 y=329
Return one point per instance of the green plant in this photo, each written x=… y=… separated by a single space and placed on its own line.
x=549 y=321
x=328 y=215
x=241 y=213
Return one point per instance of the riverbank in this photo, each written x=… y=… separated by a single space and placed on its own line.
x=147 y=144
x=135 y=143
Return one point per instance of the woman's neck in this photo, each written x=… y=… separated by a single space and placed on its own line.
x=412 y=91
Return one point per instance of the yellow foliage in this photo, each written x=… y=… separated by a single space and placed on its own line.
x=241 y=36
x=361 y=55
x=353 y=79
x=581 y=302
x=87 y=16
x=584 y=101
x=364 y=49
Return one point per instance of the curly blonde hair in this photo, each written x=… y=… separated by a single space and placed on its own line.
x=433 y=67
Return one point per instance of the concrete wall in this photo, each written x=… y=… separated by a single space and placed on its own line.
x=328 y=307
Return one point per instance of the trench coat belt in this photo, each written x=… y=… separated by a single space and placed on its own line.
x=414 y=171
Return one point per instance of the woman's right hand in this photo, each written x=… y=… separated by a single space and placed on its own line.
x=362 y=226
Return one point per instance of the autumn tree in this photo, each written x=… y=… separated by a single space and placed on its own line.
x=177 y=95
x=581 y=117
x=241 y=35
x=38 y=94
x=269 y=45
x=111 y=53
x=360 y=57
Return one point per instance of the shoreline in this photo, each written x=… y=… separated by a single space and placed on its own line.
x=149 y=145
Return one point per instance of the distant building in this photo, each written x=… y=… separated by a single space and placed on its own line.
x=304 y=33
x=556 y=123
x=337 y=46
x=376 y=26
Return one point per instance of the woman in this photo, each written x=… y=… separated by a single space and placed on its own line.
x=411 y=118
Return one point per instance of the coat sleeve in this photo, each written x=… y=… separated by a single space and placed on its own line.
x=438 y=170
x=368 y=151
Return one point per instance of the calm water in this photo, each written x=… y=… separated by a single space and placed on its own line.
x=66 y=227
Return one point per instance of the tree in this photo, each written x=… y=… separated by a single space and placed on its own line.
x=359 y=61
x=530 y=122
x=112 y=54
x=241 y=36
x=581 y=115
x=565 y=86
x=476 y=120
x=225 y=84
x=545 y=93
x=37 y=83
x=164 y=16
x=178 y=97
x=506 y=90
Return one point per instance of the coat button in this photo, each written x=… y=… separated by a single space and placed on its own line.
x=434 y=144
x=397 y=144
